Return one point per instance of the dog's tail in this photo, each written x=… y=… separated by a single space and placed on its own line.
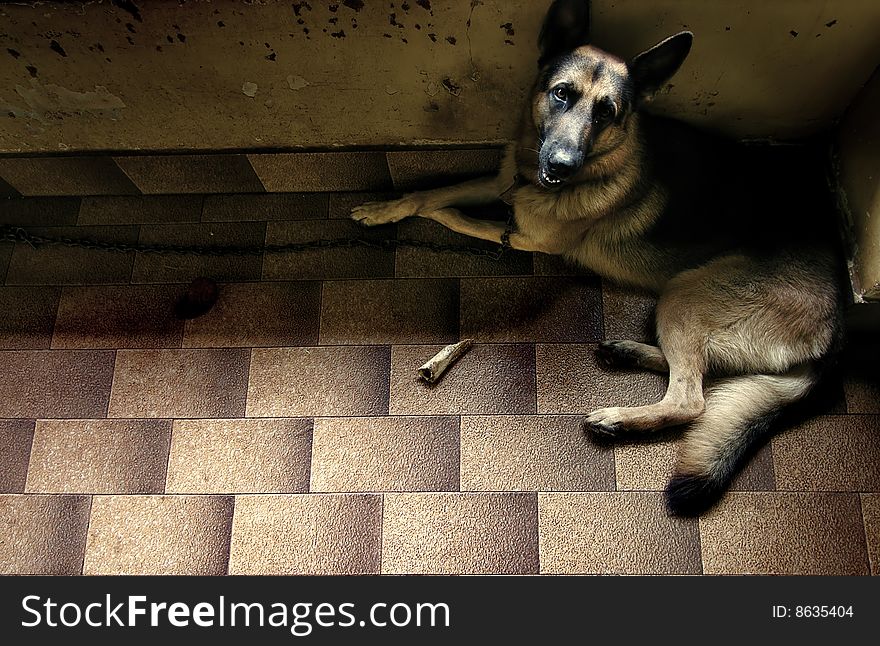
x=740 y=414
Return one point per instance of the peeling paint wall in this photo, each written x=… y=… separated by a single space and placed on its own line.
x=164 y=75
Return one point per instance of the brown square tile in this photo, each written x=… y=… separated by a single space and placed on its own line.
x=385 y=454
x=5 y=255
x=179 y=383
x=16 y=438
x=571 y=381
x=162 y=268
x=28 y=316
x=65 y=176
x=129 y=316
x=614 y=533
x=141 y=209
x=344 y=262
x=211 y=173
x=532 y=453
x=418 y=262
x=421 y=169
x=335 y=171
x=784 y=533
x=871 y=516
x=389 y=311
x=40 y=211
x=43 y=534
x=453 y=533
x=488 y=380
x=265 y=207
x=307 y=534
x=259 y=314
x=628 y=314
x=830 y=453
x=99 y=456
x=240 y=456
x=297 y=382
x=149 y=535
x=647 y=466
x=341 y=204
x=55 y=383
x=62 y=265
x=862 y=395
x=550 y=265
x=7 y=191
x=531 y=309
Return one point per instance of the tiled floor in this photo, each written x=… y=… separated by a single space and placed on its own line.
x=285 y=432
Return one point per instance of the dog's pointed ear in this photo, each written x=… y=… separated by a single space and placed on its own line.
x=652 y=68
x=566 y=27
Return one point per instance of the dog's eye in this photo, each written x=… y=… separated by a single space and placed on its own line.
x=560 y=93
x=603 y=112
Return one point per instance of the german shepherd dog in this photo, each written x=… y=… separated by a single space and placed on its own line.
x=748 y=286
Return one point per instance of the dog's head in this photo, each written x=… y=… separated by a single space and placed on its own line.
x=583 y=96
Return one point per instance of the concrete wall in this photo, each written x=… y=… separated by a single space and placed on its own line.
x=859 y=145
x=164 y=76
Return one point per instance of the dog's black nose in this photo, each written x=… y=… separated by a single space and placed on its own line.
x=562 y=163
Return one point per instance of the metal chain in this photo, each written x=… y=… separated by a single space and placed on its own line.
x=9 y=233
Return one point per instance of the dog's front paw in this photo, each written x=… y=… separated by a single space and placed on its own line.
x=606 y=422
x=375 y=213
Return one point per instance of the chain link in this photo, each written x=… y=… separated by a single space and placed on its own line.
x=9 y=233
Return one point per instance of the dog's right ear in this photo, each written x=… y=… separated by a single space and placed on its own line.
x=566 y=27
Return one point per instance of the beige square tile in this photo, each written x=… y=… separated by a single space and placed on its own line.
x=784 y=533
x=489 y=379
x=210 y=173
x=149 y=535
x=871 y=516
x=647 y=466
x=43 y=534
x=614 y=533
x=99 y=456
x=55 y=383
x=163 y=268
x=570 y=380
x=629 y=314
x=322 y=171
x=389 y=311
x=28 y=316
x=65 y=176
x=830 y=453
x=304 y=382
x=179 y=383
x=265 y=207
x=532 y=453
x=16 y=437
x=140 y=209
x=62 y=265
x=421 y=169
x=340 y=262
x=307 y=534
x=123 y=316
x=385 y=454
x=39 y=211
x=533 y=308
x=240 y=456
x=453 y=533
x=259 y=314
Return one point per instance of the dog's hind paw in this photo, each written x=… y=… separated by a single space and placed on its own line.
x=375 y=213
x=605 y=423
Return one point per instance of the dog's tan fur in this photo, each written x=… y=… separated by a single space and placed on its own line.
x=765 y=321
